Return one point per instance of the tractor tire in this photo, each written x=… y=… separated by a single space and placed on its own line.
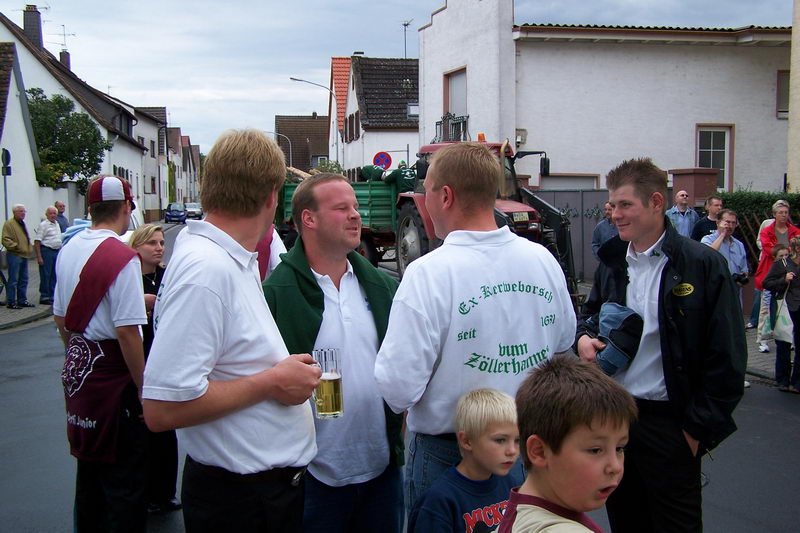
x=412 y=242
x=368 y=250
x=549 y=242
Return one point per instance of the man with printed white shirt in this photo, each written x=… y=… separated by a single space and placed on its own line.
x=98 y=308
x=325 y=295
x=480 y=311
x=46 y=243
x=218 y=369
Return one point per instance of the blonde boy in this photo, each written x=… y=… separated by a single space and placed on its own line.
x=473 y=495
x=573 y=422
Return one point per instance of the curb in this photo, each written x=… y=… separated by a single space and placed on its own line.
x=26 y=320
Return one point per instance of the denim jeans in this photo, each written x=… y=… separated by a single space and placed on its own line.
x=756 y=307
x=47 y=273
x=17 y=279
x=375 y=505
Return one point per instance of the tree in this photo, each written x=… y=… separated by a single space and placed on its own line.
x=70 y=144
x=327 y=165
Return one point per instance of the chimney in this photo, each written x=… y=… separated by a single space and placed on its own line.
x=32 y=25
x=64 y=58
x=314 y=114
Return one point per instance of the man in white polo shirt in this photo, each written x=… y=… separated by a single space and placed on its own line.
x=46 y=243
x=218 y=369
x=479 y=311
x=325 y=295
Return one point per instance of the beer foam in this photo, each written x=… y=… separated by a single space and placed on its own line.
x=330 y=376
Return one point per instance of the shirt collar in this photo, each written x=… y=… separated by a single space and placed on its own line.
x=652 y=252
x=319 y=277
x=464 y=237
x=211 y=232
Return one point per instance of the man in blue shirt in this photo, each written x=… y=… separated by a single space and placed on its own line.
x=63 y=221
x=681 y=215
x=604 y=230
x=723 y=241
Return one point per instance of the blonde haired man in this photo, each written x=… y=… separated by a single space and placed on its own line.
x=480 y=311
x=218 y=369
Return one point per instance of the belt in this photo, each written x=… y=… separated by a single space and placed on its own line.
x=654 y=407
x=51 y=248
x=446 y=436
x=288 y=474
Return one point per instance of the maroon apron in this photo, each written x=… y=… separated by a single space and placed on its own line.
x=97 y=382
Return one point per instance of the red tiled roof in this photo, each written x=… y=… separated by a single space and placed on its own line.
x=340 y=75
x=7 y=53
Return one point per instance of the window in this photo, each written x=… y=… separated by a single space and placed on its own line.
x=412 y=111
x=455 y=93
x=714 y=151
x=152 y=183
x=357 y=123
x=152 y=149
x=782 y=97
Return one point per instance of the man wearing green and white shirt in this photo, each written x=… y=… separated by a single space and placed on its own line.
x=479 y=311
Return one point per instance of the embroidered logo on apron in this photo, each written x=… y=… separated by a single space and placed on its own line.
x=81 y=356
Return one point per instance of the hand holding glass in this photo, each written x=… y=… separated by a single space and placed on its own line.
x=328 y=395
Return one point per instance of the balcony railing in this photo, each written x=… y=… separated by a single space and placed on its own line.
x=451 y=128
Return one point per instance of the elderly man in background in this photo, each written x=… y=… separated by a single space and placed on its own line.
x=18 y=245
x=681 y=215
x=46 y=243
x=63 y=221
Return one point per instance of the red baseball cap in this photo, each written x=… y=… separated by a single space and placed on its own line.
x=109 y=188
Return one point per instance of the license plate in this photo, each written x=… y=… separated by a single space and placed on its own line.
x=521 y=217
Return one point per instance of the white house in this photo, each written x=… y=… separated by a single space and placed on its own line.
x=592 y=96
x=380 y=113
x=16 y=136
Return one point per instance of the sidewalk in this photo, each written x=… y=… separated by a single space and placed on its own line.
x=10 y=318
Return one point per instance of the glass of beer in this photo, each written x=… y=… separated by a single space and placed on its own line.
x=328 y=395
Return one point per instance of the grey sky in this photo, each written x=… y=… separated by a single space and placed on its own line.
x=217 y=65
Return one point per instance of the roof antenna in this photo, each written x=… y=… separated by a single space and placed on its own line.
x=63 y=34
x=406 y=24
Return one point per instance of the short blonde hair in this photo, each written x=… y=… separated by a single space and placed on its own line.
x=241 y=171
x=777 y=205
x=142 y=234
x=471 y=170
x=481 y=407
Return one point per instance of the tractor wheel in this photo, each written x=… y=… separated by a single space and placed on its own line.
x=412 y=242
x=368 y=250
x=549 y=242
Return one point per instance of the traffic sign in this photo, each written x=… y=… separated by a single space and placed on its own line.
x=383 y=160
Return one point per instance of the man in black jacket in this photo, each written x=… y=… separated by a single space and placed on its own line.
x=688 y=374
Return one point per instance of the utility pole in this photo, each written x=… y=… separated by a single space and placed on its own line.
x=406 y=24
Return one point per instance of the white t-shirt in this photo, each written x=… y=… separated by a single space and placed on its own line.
x=478 y=312
x=123 y=304
x=212 y=322
x=353 y=448
x=276 y=248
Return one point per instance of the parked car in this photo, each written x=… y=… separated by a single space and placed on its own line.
x=176 y=212
x=194 y=210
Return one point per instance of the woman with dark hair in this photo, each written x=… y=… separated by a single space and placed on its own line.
x=783 y=279
x=162 y=458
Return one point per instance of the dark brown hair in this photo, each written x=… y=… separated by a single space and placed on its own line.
x=565 y=392
x=645 y=177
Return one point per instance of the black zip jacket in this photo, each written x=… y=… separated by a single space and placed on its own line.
x=702 y=330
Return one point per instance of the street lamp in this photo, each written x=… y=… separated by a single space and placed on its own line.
x=290 y=145
x=335 y=109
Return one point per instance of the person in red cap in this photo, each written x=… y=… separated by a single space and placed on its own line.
x=98 y=308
